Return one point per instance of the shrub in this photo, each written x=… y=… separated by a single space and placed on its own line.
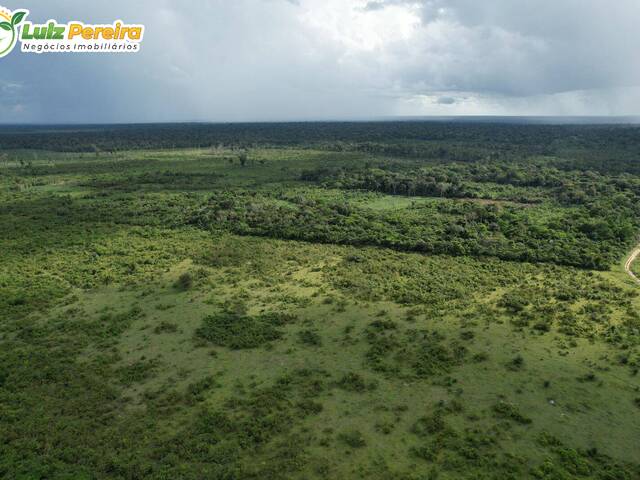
x=184 y=282
x=166 y=327
x=238 y=331
x=467 y=335
x=480 y=357
x=196 y=390
x=384 y=427
x=137 y=371
x=381 y=325
x=354 y=382
x=510 y=412
x=513 y=302
x=430 y=425
x=353 y=439
x=309 y=407
x=588 y=377
x=516 y=363
x=309 y=337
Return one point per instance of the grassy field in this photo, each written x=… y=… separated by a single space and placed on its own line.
x=273 y=313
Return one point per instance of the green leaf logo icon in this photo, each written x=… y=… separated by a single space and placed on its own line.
x=17 y=18
x=12 y=26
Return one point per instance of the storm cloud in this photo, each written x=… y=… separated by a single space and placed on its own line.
x=244 y=60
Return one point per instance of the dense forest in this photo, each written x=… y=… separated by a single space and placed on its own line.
x=433 y=140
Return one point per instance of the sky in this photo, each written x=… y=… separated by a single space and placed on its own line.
x=278 y=60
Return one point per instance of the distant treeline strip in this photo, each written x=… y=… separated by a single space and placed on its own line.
x=428 y=139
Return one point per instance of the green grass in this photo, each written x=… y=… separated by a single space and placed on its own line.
x=137 y=345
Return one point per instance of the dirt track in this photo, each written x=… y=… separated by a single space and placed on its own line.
x=627 y=266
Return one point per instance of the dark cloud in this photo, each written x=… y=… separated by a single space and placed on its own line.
x=519 y=47
x=446 y=100
x=306 y=59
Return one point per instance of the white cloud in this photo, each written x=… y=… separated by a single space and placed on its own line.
x=305 y=59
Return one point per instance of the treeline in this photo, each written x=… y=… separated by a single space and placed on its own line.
x=576 y=237
x=437 y=150
x=532 y=182
x=461 y=141
x=436 y=182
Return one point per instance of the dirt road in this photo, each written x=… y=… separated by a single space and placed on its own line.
x=630 y=260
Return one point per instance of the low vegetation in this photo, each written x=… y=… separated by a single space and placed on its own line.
x=317 y=301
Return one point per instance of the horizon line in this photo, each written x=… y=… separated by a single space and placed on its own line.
x=489 y=118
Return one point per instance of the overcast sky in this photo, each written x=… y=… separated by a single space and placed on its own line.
x=237 y=60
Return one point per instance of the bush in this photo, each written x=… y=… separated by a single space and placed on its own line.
x=196 y=390
x=353 y=438
x=588 y=377
x=431 y=425
x=238 y=331
x=185 y=281
x=137 y=371
x=354 y=382
x=309 y=337
x=510 y=412
x=165 y=327
x=516 y=363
